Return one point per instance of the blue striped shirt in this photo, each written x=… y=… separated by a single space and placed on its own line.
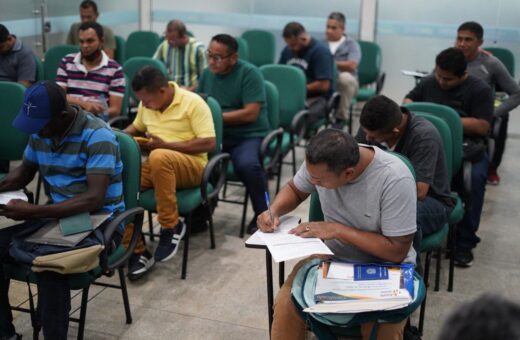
x=90 y=147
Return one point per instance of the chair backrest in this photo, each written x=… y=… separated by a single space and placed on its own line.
x=262 y=46
x=12 y=140
x=120 y=54
x=131 y=158
x=291 y=84
x=243 y=48
x=445 y=133
x=126 y=97
x=369 y=67
x=141 y=44
x=273 y=104
x=216 y=112
x=39 y=76
x=53 y=58
x=505 y=56
x=452 y=118
x=134 y=64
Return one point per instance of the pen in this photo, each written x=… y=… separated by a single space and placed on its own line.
x=269 y=208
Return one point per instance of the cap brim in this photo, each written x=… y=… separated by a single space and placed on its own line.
x=27 y=124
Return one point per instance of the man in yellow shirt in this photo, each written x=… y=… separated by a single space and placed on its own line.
x=178 y=131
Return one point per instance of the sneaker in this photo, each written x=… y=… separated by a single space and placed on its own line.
x=168 y=242
x=493 y=179
x=463 y=258
x=139 y=265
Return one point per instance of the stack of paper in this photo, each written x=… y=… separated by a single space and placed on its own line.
x=5 y=197
x=284 y=246
x=349 y=288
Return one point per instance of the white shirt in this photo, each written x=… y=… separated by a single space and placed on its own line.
x=333 y=45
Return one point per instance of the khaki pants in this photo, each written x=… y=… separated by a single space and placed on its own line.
x=165 y=171
x=287 y=324
x=347 y=86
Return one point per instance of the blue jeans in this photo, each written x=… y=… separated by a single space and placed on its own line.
x=245 y=155
x=467 y=238
x=432 y=214
x=53 y=296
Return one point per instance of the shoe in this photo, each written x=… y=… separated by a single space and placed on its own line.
x=139 y=265
x=463 y=258
x=169 y=241
x=493 y=177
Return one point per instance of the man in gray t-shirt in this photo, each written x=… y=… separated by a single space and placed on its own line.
x=368 y=199
x=385 y=124
x=16 y=59
x=347 y=54
x=491 y=70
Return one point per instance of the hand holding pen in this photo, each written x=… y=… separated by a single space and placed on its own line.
x=267 y=221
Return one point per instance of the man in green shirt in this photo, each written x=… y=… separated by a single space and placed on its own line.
x=239 y=88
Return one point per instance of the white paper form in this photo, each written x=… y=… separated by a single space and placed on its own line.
x=5 y=197
x=284 y=246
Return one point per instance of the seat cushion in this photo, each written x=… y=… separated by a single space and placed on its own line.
x=457 y=213
x=365 y=94
x=187 y=199
x=434 y=240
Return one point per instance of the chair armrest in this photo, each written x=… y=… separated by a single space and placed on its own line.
x=332 y=107
x=266 y=150
x=380 y=82
x=138 y=214
x=217 y=163
x=491 y=147
x=495 y=127
x=29 y=194
x=299 y=126
x=466 y=182
x=118 y=120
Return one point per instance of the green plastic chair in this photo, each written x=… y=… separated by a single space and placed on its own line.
x=262 y=46
x=13 y=140
x=39 y=68
x=505 y=56
x=243 y=49
x=188 y=200
x=134 y=64
x=53 y=58
x=115 y=258
x=141 y=44
x=120 y=53
x=371 y=79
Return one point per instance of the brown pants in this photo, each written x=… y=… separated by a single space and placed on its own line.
x=287 y=324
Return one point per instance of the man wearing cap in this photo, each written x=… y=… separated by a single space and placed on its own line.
x=76 y=184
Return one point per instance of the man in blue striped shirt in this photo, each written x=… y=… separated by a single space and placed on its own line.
x=78 y=157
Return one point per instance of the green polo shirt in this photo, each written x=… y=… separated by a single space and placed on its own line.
x=243 y=85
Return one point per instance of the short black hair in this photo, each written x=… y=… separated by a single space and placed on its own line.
x=94 y=25
x=338 y=16
x=380 y=113
x=177 y=26
x=488 y=317
x=89 y=4
x=333 y=147
x=228 y=41
x=4 y=33
x=452 y=60
x=474 y=27
x=293 y=29
x=149 y=78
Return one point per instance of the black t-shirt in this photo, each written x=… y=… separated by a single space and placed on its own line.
x=472 y=98
x=423 y=146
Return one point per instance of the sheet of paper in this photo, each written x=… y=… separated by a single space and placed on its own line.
x=5 y=197
x=284 y=246
x=414 y=73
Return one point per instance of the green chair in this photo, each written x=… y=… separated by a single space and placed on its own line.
x=291 y=84
x=39 y=69
x=262 y=46
x=134 y=64
x=243 y=49
x=371 y=79
x=141 y=44
x=188 y=200
x=120 y=53
x=13 y=140
x=53 y=58
x=113 y=259
x=505 y=56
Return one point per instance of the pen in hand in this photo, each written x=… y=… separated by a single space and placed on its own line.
x=269 y=209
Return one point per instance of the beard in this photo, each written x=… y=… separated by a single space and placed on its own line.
x=92 y=56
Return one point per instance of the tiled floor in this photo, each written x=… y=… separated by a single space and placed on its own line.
x=224 y=295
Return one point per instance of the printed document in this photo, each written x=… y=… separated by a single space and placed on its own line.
x=5 y=197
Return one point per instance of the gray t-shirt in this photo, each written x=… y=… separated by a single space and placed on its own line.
x=108 y=35
x=349 y=49
x=493 y=72
x=422 y=145
x=18 y=64
x=381 y=200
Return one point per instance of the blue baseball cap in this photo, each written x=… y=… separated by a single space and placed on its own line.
x=40 y=102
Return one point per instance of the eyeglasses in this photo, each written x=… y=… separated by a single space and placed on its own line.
x=218 y=58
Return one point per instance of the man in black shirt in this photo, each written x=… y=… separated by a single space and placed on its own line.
x=472 y=98
x=385 y=124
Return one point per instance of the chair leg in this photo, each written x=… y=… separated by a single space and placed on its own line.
x=293 y=159
x=186 y=248
x=38 y=190
x=244 y=214
x=278 y=180
x=350 y=114
x=426 y=279
x=150 y=225
x=438 y=269
x=451 y=246
x=124 y=291
x=211 y=230
x=83 y=313
x=422 y=313
x=224 y=191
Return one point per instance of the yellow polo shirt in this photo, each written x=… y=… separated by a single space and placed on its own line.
x=187 y=117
